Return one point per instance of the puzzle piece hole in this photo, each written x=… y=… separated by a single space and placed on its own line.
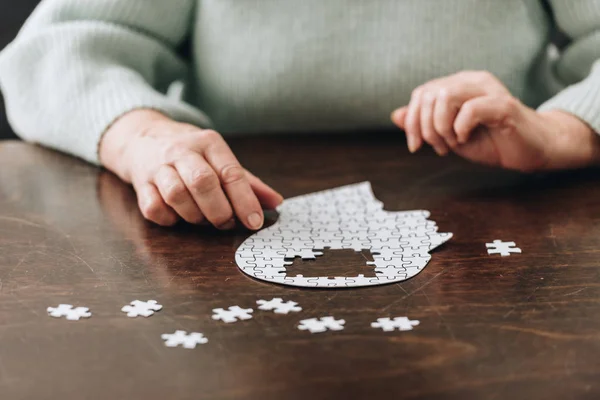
x=340 y=263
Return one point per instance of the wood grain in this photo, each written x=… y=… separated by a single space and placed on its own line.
x=520 y=327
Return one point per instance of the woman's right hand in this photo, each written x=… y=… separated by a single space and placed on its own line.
x=181 y=171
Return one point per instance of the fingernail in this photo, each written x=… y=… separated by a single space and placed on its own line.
x=255 y=221
x=228 y=225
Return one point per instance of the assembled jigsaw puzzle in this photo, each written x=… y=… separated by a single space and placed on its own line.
x=349 y=217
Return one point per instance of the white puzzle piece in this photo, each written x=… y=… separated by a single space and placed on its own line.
x=141 y=308
x=400 y=323
x=278 y=306
x=233 y=314
x=70 y=313
x=349 y=217
x=502 y=248
x=182 y=338
x=318 y=325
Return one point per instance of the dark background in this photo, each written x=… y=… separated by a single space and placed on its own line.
x=12 y=16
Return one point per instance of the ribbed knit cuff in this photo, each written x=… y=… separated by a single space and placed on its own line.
x=581 y=99
x=117 y=99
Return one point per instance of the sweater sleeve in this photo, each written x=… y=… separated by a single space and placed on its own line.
x=76 y=66
x=578 y=67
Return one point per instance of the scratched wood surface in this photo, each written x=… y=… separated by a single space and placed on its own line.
x=519 y=327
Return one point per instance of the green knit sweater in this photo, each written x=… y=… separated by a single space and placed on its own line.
x=252 y=66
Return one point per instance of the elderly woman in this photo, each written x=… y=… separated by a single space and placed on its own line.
x=146 y=88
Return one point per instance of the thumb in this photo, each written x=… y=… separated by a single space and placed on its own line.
x=486 y=110
x=398 y=117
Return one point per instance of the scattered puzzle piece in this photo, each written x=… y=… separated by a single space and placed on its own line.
x=182 y=338
x=502 y=248
x=141 y=308
x=400 y=323
x=318 y=325
x=70 y=313
x=278 y=306
x=233 y=314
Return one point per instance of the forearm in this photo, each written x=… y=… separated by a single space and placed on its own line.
x=574 y=144
x=75 y=68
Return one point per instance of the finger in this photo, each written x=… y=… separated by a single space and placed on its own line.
x=427 y=128
x=453 y=93
x=153 y=207
x=205 y=188
x=398 y=117
x=444 y=114
x=234 y=180
x=176 y=195
x=413 y=122
x=267 y=197
x=488 y=110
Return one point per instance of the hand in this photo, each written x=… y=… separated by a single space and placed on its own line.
x=181 y=171
x=473 y=114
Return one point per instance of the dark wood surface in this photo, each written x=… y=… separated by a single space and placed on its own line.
x=519 y=327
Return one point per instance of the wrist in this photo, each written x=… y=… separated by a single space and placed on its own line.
x=573 y=143
x=116 y=141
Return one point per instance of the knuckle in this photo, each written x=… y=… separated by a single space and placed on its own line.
x=416 y=92
x=509 y=105
x=152 y=209
x=173 y=151
x=221 y=220
x=232 y=173
x=445 y=131
x=427 y=97
x=209 y=135
x=163 y=174
x=204 y=180
x=466 y=74
x=468 y=110
x=439 y=126
x=412 y=125
x=196 y=219
x=175 y=193
x=446 y=94
x=484 y=76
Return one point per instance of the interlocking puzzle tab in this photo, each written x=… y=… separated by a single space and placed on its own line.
x=349 y=217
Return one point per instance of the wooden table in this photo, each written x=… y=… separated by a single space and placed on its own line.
x=519 y=327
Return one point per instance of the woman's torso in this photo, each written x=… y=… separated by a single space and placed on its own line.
x=313 y=65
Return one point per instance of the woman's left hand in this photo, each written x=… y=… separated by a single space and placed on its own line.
x=474 y=115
